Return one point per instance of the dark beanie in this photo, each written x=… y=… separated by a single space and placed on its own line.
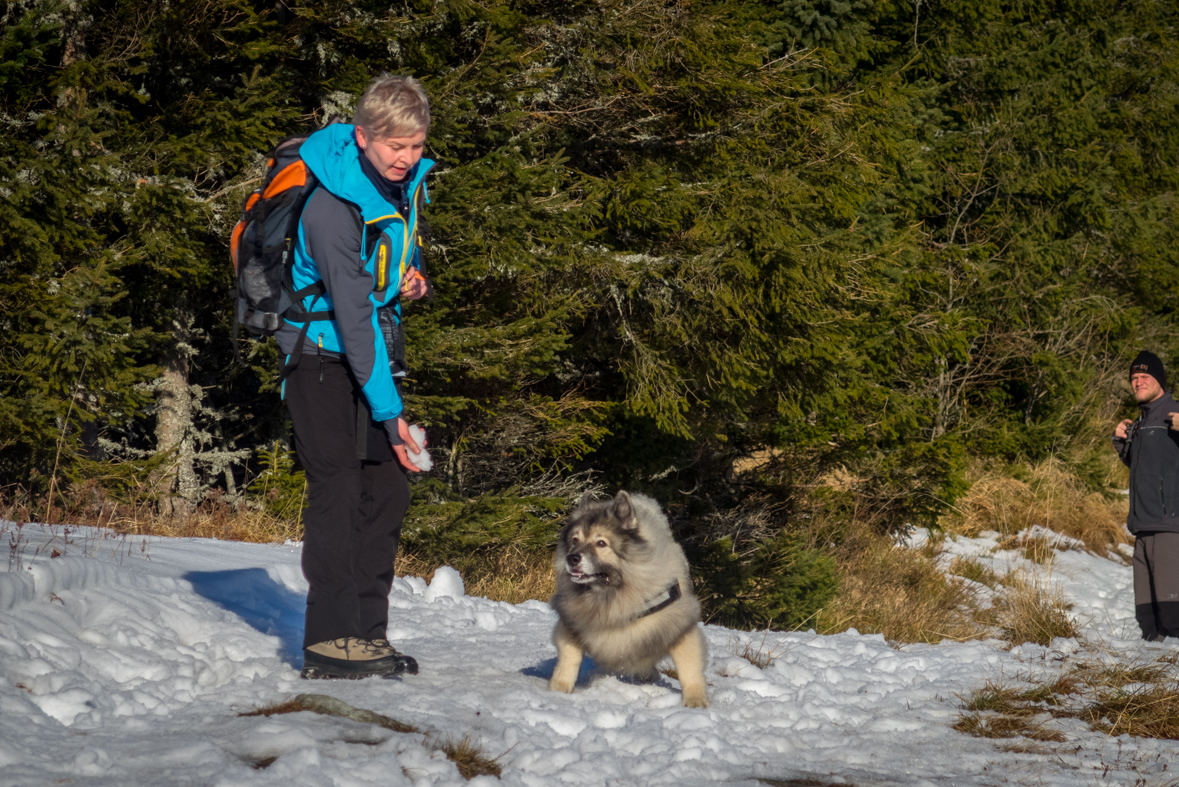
x=1149 y=362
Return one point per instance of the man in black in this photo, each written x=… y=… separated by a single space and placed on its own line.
x=1150 y=448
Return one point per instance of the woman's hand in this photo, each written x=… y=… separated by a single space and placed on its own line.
x=414 y=285
x=402 y=451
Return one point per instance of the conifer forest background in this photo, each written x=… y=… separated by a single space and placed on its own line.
x=781 y=264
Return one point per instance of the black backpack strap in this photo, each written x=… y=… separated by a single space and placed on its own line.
x=296 y=313
x=296 y=354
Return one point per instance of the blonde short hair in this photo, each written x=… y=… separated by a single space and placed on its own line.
x=393 y=106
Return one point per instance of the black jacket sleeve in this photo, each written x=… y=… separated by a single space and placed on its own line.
x=1123 y=449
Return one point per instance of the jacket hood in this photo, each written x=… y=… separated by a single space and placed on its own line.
x=331 y=153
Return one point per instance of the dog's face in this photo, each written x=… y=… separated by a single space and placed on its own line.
x=597 y=542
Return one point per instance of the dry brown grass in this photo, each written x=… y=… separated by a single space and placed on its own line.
x=986 y=726
x=1051 y=496
x=969 y=568
x=1032 y=611
x=211 y=521
x=1115 y=698
x=995 y=698
x=905 y=595
x=898 y=592
x=1037 y=549
x=1134 y=697
x=87 y=504
x=469 y=759
x=1148 y=712
x=519 y=575
x=758 y=656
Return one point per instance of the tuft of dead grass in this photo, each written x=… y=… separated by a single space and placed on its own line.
x=995 y=698
x=1048 y=494
x=759 y=657
x=999 y=726
x=469 y=759
x=464 y=752
x=1134 y=697
x=1055 y=692
x=901 y=593
x=1150 y=711
x=1033 y=611
x=969 y=568
x=1036 y=548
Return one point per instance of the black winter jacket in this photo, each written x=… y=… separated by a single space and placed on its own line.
x=1152 y=454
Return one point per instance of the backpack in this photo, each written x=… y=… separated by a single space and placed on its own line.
x=262 y=248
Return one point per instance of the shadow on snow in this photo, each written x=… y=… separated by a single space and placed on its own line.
x=252 y=595
x=545 y=669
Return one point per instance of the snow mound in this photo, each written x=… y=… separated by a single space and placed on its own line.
x=447 y=583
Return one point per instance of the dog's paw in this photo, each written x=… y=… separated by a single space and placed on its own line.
x=697 y=698
x=561 y=685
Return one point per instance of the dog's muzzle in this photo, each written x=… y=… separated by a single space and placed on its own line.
x=577 y=571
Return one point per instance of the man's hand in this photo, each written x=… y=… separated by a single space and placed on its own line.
x=402 y=450
x=1122 y=432
x=414 y=286
x=1173 y=420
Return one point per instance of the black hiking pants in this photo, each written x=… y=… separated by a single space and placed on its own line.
x=355 y=506
x=1156 y=584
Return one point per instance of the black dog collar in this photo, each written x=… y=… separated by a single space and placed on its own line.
x=664 y=599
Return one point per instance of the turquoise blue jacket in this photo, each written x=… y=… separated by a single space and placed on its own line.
x=343 y=218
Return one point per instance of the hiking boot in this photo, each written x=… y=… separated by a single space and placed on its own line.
x=353 y=657
x=411 y=664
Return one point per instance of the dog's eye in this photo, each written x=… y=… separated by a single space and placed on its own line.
x=601 y=544
x=572 y=539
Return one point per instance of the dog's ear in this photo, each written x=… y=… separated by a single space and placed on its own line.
x=586 y=498
x=624 y=511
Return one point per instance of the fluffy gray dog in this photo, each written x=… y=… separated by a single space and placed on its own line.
x=625 y=597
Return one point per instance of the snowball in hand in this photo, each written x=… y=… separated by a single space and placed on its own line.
x=421 y=461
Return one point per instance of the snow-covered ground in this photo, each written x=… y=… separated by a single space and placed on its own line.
x=127 y=662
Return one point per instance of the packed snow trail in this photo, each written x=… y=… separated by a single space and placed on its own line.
x=132 y=667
